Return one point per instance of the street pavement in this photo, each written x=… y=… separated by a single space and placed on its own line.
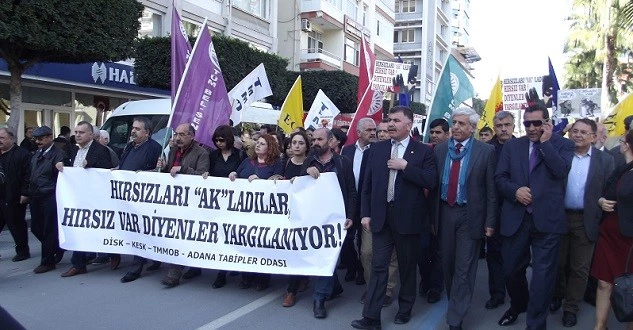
x=98 y=300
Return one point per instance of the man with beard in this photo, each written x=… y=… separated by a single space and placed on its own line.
x=139 y=155
x=326 y=160
x=14 y=191
x=42 y=194
x=187 y=158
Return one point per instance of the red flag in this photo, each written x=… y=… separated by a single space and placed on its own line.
x=369 y=101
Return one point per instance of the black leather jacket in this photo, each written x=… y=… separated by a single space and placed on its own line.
x=44 y=173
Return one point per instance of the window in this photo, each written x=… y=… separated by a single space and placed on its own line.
x=192 y=29
x=408 y=6
x=377 y=27
x=315 y=45
x=395 y=37
x=365 y=15
x=351 y=9
x=397 y=7
x=151 y=24
x=254 y=7
x=352 y=51
x=407 y=35
x=335 y=3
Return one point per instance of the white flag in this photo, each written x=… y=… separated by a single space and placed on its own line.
x=322 y=112
x=252 y=88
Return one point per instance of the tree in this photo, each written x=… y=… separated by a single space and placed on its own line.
x=63 y=31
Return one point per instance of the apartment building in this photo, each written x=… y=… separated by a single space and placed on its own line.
x=326 y=34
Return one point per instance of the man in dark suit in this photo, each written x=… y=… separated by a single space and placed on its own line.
x=466 y=201
x=88 y=154
x=531 y=176
x=590 y=170
x=366 y=132
x=396 y=215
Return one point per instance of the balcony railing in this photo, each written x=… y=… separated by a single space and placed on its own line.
x=321 y=55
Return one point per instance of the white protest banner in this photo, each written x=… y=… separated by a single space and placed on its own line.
x=514 y=90
x=264 y=226
x=253 y=87
x=579 y=103
x=322 y=112
x=385 y=73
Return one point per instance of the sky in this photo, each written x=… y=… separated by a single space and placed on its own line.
x=514 y=39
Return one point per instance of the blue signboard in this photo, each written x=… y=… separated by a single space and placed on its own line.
x=96 y=74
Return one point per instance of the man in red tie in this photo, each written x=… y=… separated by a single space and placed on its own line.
x=466 y=201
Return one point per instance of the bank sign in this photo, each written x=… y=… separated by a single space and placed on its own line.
x=102 y=75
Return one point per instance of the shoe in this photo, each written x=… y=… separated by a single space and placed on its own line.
x=100 y=260
x=74 y=271
x=43 y=269
x=191 y=273
x=319 y=309
x=569 y=319
x=494 y=302
x=363 y=297
x=337 y=292
x=154 y=266
x=115 y=261
x=402 y=318
x=433 y=297
x=21 y=256
x=59 y=255
x=367 y=324
x=289 y=300
x=387 y=301
x=360 y=280
x=219 y=282
x=245 y=284
x=261 y=286
x=555 y=304
x=350 y=275
x=303 y=285
x=129 y=277
x=170 y=282
x=508 y=318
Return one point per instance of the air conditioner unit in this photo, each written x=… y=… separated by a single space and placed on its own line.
x=305 y=25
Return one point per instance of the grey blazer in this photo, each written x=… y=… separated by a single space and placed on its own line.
x=481 y=199
x=600 y=168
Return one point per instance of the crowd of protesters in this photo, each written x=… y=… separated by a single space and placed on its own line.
x=418 y=214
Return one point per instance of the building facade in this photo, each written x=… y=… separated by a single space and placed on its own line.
x=326 y=34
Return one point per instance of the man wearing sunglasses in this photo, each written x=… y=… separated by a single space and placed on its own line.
x=531 y=176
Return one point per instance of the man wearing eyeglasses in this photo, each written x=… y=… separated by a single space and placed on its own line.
x=187 y=158
x=531 y=176
x=590 y=169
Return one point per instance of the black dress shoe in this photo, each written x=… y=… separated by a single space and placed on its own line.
x=494 y=302
x=319 y=309
x=555 y=304
x=508 y=318
x=191 y=273
x=569 y=319
x=220 y=281
x=433 y=297
x=402 y=318
x=350 y=275
x=21 y=256
x=129 y=277
x=360 y=280
x=367 y=324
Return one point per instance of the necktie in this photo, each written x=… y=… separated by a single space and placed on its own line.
x=392 y=173
x=533 y=161
x=453 y=178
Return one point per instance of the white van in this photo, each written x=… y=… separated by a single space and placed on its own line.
x=119 y=124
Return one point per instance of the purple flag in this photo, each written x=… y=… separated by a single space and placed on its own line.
x=202 y=99
x=180 y=51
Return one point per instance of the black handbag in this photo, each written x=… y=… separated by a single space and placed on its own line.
x=622 y=295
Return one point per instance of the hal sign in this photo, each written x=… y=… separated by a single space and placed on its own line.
x=103 y=73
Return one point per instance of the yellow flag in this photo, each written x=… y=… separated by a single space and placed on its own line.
x=615 y=121
x=292 y=110
x=493 y=105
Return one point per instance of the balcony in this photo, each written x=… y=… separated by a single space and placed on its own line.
x=328 y=15
x=319 y=59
